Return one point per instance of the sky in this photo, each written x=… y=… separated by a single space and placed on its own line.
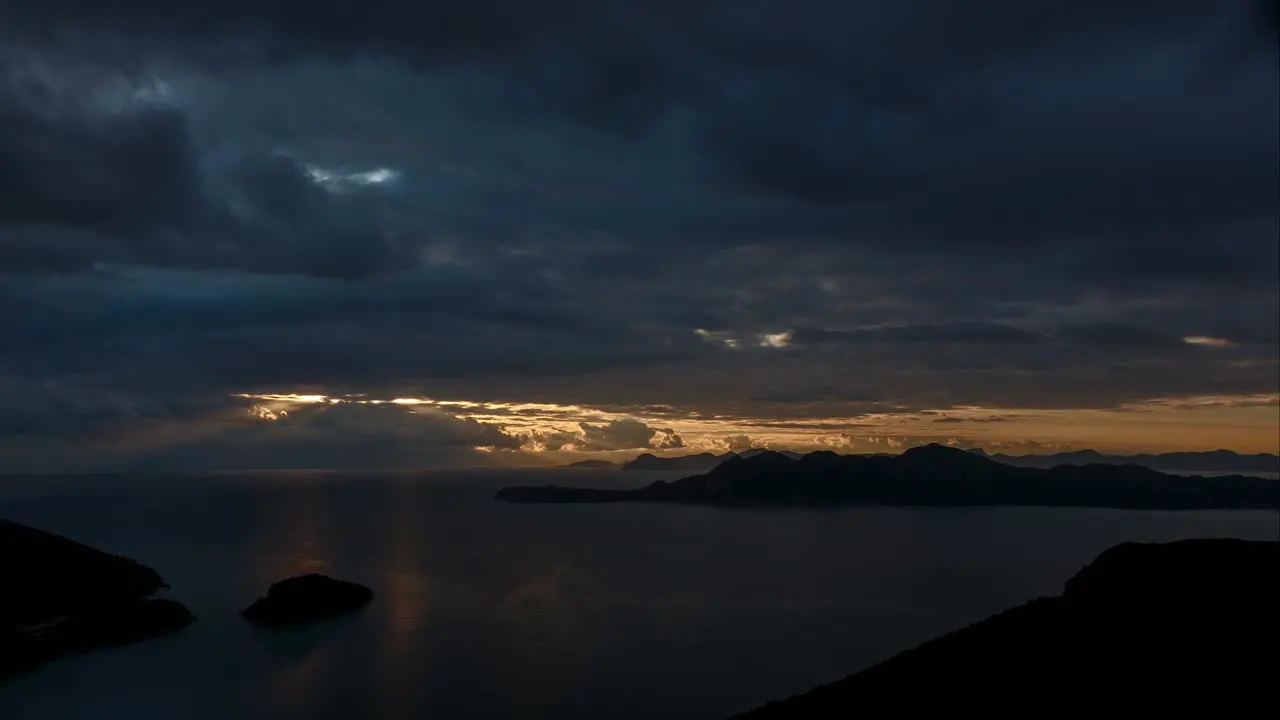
x=241 y=234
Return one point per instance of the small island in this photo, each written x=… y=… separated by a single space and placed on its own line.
x=930 y=475
x=306 y=599
x=1187 y=629
x=59 y=597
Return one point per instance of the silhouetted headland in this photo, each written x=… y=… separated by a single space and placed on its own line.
x=1188 y=629
x=931 y=475
x=59 y=597
x=306 y=599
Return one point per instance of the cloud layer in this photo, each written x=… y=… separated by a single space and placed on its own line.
x=617 y=204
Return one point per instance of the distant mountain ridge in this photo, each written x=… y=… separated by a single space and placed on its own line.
x=1209 y=461
x=694 y=463
x=591 y=465
x=931 y=475
x=1225 y=461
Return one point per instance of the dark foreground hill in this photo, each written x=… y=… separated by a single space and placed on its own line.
x=932 y=475
x=59 y=597
x=1188 y=629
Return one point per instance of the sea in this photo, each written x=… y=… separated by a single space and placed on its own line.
x=488 y=610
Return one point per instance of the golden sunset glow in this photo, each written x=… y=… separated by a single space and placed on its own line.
x=1246 y=423
x=1206 y=341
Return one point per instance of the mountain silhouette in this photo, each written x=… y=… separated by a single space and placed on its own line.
x=1216 y=461
x=592 y=465
x=699 y=462
x=1210 y=461
x=930 y=475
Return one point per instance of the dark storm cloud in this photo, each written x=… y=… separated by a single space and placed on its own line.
x=1120 y=335
x=241 y=331
x=965 y=332
x=87 y=181
x=428 y=31
x=1081 y=161
x=924 y=203
x=127 y=173
x=68 y=410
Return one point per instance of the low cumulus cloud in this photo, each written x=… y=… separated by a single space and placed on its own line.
x=623 y=434
x=852 y=442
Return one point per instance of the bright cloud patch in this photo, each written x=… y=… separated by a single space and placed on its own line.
x=340 y=181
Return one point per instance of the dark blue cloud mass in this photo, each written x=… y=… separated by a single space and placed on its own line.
x=610 y=202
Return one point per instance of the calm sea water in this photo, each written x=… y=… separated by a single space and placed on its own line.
x=488 y=610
